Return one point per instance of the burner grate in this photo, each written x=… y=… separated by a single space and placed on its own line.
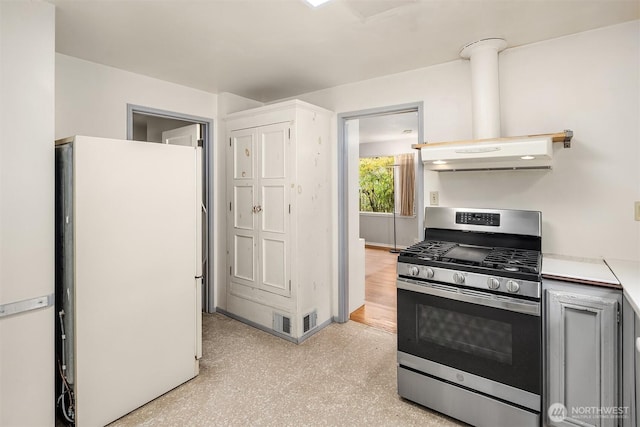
x=429 y=249
x=507 y=260
x=513 y=260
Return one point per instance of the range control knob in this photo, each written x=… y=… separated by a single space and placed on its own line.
x=458 y=278
x=413 y=271
x=513 y=286
x=428 y=273
x=493 y=283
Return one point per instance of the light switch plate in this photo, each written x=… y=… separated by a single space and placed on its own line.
x=637 y=211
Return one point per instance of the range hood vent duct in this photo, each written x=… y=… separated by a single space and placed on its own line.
x=485 y=86
x=487 y=150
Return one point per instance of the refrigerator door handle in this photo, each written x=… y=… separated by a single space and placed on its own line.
x=25 y=305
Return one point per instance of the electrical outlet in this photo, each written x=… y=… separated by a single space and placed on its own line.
x=434 y=199
x=637 y=211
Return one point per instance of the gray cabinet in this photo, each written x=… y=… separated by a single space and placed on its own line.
x=582 y=357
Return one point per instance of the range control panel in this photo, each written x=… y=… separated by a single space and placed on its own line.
x=478 y=218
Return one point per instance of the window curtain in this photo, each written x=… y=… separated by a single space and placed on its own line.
x=406 y=183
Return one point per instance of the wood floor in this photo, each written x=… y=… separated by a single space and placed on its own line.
x=379 y=309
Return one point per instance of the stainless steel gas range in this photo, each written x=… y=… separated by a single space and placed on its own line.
x=469 y=316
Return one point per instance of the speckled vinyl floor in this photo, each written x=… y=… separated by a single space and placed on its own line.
x=345 y=375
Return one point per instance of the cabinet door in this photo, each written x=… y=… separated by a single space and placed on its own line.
x=259 y=241
x=243 y=231
x=273 y=208
x=582 y=359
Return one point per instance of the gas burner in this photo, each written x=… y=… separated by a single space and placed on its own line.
x=513 y=260
x=428 y=250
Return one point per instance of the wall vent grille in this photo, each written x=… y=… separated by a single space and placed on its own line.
x=281 y=323
x=309 y=321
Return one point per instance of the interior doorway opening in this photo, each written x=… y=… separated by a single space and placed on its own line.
x=150 y=128
x=387 y=131
x=160 y=126
x=380 y=302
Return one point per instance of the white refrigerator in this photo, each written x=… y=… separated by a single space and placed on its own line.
x=128 y=273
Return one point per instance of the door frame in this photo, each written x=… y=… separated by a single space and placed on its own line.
x=207 y=154
x=343 y=187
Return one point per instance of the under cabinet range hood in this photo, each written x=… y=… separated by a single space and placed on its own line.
x=489 y=151
x=525 y=152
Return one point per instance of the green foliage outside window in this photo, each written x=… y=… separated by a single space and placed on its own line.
x=376 y=184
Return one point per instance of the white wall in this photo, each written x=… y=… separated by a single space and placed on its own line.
x=377 y=229
x=588 y=82
x=26 y=211
x=91 y=99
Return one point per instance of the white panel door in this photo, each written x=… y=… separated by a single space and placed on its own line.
x=259 y=176
x=187 y=135
x=243 y=230
x=274 y=208
x=135 y=239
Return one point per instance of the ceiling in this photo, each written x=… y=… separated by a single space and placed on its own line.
x=397 y=128
x=272 y=49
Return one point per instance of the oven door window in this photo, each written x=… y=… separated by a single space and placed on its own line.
x=477 y=336
x=498 y=344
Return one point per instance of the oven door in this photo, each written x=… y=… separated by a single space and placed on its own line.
x=477 y=340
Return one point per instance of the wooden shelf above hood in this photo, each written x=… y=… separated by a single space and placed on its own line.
x=564 y=137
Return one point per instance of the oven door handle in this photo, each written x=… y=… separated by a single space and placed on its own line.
x=458 y=294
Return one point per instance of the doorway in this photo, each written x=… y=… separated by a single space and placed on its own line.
x=149 y=124
x=380 y=301
x=351 y=254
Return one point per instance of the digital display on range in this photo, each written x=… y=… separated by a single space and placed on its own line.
x=478 y=218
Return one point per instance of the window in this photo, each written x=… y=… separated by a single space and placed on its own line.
x=379 y=176
x=376 y=184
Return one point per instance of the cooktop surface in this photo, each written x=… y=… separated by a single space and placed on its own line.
x=460 y=256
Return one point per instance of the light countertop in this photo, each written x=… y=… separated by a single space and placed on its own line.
x=581 y=270
x=621 y=274
x=628 y=273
